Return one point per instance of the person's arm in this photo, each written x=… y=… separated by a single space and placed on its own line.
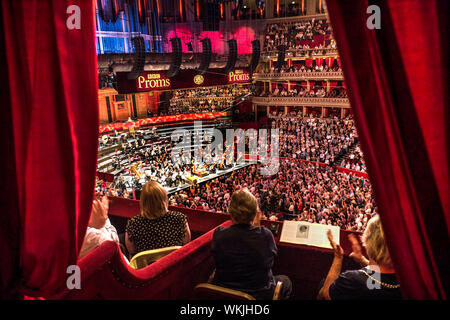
x=187 y=236
x=356 y=251
x=335 y=268
x=129 y=245
x=99 y=213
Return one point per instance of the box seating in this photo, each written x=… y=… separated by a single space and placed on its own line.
x=106 y=275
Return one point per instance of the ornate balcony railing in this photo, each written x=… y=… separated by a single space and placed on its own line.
x=297 y=18
x=302 y=101
x=203 y=98
x=299 y=76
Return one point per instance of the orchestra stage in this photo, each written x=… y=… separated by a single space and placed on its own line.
x=199 y=179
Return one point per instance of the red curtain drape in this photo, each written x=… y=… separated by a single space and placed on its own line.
x=50 y=113
x=399 y=95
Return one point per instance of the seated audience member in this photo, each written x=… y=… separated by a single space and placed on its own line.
x=376 y=281
x=155 y=227
x=245 y=252
x=99 y=228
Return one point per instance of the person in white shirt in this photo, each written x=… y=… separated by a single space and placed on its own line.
x=99 y=228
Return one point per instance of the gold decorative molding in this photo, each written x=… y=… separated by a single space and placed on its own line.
x=281 y=76
x=302 y=101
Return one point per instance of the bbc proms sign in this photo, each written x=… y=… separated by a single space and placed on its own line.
x=157 y=80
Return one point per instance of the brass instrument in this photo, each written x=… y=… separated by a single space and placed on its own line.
x=135 y=171
x=131 y=130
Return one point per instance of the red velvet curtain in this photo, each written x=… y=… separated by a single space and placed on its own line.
x=399 y=95
x=50 y=120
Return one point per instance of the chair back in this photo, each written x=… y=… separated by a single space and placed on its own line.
x=208 y=291
x=145 y=258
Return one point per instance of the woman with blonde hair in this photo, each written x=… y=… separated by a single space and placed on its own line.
x=375 y=281
x=156 y=227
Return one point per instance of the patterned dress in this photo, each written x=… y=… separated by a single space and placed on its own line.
x=165 y=231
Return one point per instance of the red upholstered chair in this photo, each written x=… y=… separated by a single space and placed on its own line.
x=105 y=274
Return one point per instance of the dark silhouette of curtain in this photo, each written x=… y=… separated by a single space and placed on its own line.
x=49 y=119
x=397 y=80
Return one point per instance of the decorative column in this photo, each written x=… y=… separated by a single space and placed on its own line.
x=269 y=8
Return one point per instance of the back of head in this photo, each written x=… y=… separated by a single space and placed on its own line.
x=374 y=241
x=243 y=206
x=154 y=201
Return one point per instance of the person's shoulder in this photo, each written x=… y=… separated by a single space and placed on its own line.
x=221 y=232
x=353 y=275
x=349 y=284
x=264 y=231
x=135 y=219
x=176 y=215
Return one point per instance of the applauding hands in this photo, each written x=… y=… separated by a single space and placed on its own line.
x=99 y=212
x=356 y=251
x=338 y=251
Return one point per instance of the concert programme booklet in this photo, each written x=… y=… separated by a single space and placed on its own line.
x=311 y=234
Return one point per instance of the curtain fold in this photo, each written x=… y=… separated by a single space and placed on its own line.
x=397 y=83
x=51 y=78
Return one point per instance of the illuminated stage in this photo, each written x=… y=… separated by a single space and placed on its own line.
x=129 y=178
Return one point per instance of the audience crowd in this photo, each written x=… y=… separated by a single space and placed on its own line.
x=298 y=91
x=315 y=139
x=291 y=34
x=299 y=191
x=200 y=100
x=354 y=160
x=301 y=67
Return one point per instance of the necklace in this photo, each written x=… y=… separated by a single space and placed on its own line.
x=387 y=285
